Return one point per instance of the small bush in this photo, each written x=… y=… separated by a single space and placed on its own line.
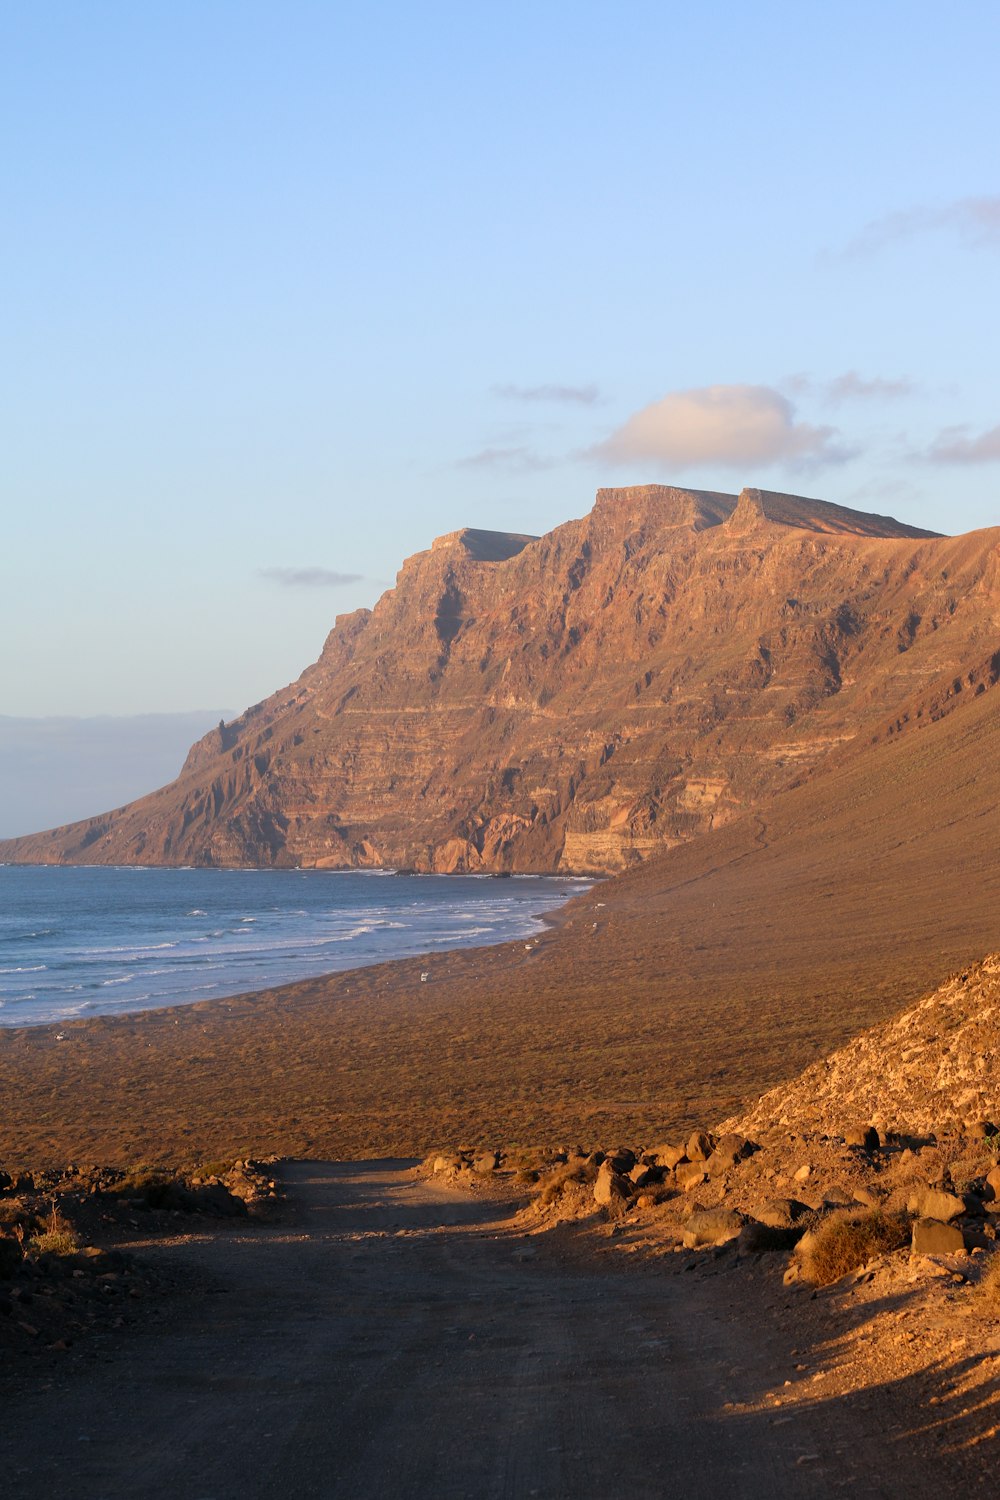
x=220 y=1168
x=578 y=1171
x=54 y=1242
x=844 y=1243
x=155 y=1188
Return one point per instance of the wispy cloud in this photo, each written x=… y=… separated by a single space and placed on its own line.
x=956 y=445
x=576 y=395
x=729 y=426
x=849 y=387
x=309 y=578
x=977 y=220
x=513 y=460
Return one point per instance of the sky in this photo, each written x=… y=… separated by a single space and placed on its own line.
x=288 y=291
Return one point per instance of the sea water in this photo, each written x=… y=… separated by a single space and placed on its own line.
x=88 y=941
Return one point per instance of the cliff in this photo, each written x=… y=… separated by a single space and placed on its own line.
x=579 y=700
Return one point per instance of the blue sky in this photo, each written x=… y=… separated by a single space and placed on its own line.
x=289 y=291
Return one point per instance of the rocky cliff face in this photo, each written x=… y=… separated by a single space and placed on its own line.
x=579 y=700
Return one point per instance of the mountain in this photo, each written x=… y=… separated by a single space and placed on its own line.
x=581 y=700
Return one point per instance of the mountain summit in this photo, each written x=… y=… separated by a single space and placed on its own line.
x=579 y=700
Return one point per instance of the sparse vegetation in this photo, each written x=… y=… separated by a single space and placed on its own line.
x=215 y=1168
x=844 y=1243
x=571 y=1172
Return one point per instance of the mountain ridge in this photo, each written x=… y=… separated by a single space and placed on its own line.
x=579 y=700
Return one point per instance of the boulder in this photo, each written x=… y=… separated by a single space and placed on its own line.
x=668 y=1156
x=486 y=1163
x=992 y=1188
x=712 y=1226
x=611 y=1187
x=933 y=1237
x=935 y=1203
x=640 y=1175
x=729 y=1149
x=782 y=1213
x=763 y=1239
x=689 y=1175
x=866 y=1137
x=622 y=1159
x=803 y=1173
x=700 y=1146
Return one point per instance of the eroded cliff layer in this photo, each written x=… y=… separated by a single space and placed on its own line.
x=579 y=700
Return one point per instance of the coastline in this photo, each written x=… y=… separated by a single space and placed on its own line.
x=669 y=998
x=91 y=940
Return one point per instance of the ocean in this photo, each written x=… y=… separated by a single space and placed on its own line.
x=89 y=941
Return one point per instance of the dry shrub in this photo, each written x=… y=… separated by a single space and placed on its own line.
x=55 y=1242
x=221 y=1168
x=155 y=1188
x=989 y=1287
x=58 y=1237
x=575 y=1171
x=844 y=1243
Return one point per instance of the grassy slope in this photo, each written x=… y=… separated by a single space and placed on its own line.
x=713 y=972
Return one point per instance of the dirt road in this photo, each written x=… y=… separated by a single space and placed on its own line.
x=392 y=1338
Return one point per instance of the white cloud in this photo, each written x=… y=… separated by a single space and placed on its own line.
x=723 y=425
x=955 y=446
x=309 y=578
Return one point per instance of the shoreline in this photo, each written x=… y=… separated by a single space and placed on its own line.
x=293 y=944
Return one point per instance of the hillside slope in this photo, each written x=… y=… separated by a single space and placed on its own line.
x=933 y=1068
x=667 y=997
x=580 y=700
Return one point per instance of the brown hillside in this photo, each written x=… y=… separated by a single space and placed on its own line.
x=581 y=700
x=932 y=1069
x=667 y=997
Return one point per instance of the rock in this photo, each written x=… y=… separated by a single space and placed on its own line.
x=935 y=1203
x=864 y=1136
x=992 y=1191
x=712 y=1226
x=640 y=1175
x=10 y=1256
x=782 y=1213
x=622 y=1159
x=764 y=1239
x=668 y=1156
x=729 y=1149
x=689 y=1175
x=933 y=1237
x=486 y=1163
x=802 y=1174
x=981 y=1130
x=700 y=1146
x=611 y=1187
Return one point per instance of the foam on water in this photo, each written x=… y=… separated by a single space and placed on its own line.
x=112 y=943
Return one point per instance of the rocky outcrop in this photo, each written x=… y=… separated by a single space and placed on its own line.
x=578 y=701
x=934 y=1068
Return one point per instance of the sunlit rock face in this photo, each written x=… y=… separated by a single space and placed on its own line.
x=577 y=701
